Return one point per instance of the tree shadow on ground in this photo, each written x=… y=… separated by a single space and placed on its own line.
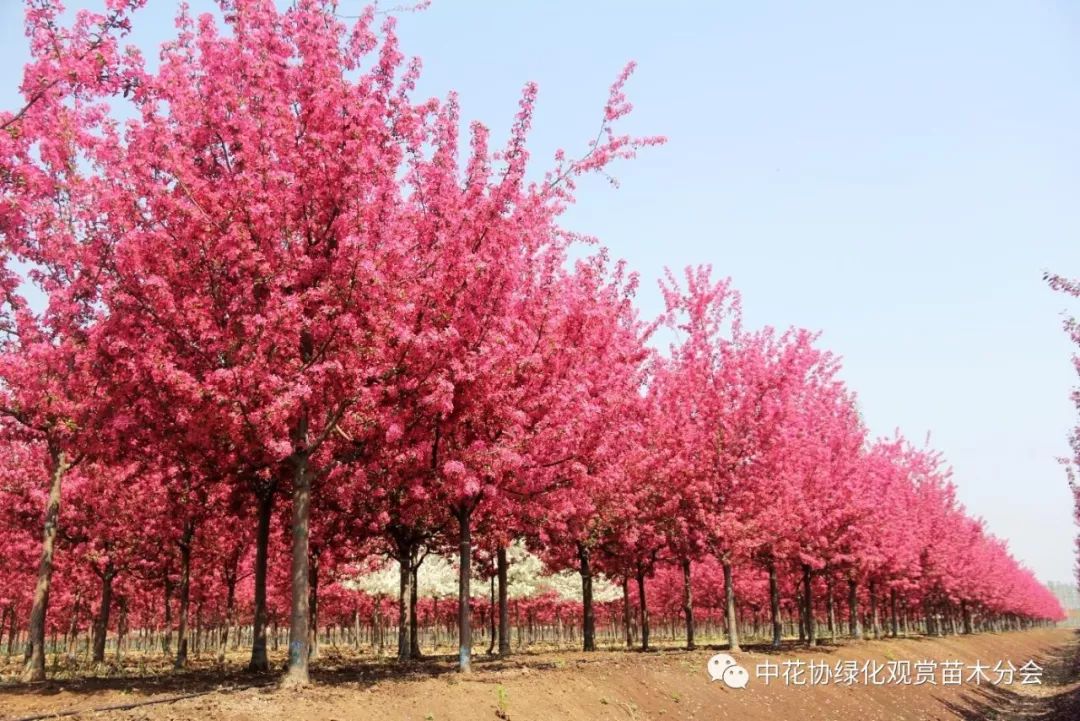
x=334 y=668
x=1057 y=698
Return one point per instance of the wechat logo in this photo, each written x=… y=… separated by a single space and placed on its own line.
x=722 y=667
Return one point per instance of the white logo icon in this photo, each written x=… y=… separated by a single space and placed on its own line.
x=723 y=667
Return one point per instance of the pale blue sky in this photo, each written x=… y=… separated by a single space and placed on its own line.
x=898 y=177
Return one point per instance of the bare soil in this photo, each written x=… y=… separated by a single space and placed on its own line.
x=562 y=685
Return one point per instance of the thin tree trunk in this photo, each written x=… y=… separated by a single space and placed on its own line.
x=643 y=610
x=299 y=618
x=831 y=603
x=588 y=626
x=34 y=670
x=729 y=606
x=8 y=611
x=688 y=604
x=626 y=616
x=464 y=574
x=259 y=660
x=121 y=628
x=166 y=636
x=230 y=614
x=965 y=612
x=101 y=623
x=185 y=595
x=874 y=617
x=774 y=604
x=892 y=612
x=313 y=606
x=14 y=628
x=808 y=605
x=414 y=595
x=854 y=626
x=405 y=578
x=502 y=567
x=492 y=610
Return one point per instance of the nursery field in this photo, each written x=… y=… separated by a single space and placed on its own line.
x=311 y=399
x=549 y=685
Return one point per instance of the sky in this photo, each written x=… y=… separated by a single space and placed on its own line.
x=897 y=176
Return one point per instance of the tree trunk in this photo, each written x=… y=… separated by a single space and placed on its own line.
x=101 y=623
x=414 y=621
x=588 y=623
x=14 y=629
x=688 y=604
x=626 y=617
x=504 y=609
x=259 y=661
x=121 y=628
x=185 y=595
x=464 y=574
x=9 y=610
x=854 y=626
x=830 y=601
x=34 y=670
x=313 y=606
x=892 y=612
x=774 y=604
x=299 y=619
x=166 y=635
x=729 y=606
x=643 y=610
x=492 y=610
x=874 y=617
x=230 y=614
x=405 y=578
x=808 y=604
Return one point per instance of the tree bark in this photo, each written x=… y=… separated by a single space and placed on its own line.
x=854 y=625
x=875 y=622
x=965 y=612
x=299 y=619
x=626 y=618
x=830 y=602
x=13 y=630
x=414 y=621
x=185 y=594
x=464 y=576
x=492 y=610
x=166 y=632
x=405 y=578
x=688 y=604
x=774 y=604
x=34 y=670
x=643 y=610
x=121 y=628
x=259 y=660
x=101 y=623
x=808 y=605
x=729 y=606
x=504 y=608
x=313 y=606
x=230 y=613
x=588 y=623
x=9 y=610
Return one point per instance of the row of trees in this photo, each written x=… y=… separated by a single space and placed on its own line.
x=1071 y=288
x=289 y=330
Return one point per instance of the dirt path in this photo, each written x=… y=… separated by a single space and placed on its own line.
x=567 y=686
x=1056 y=699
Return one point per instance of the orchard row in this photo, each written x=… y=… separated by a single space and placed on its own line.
x=1071 y=288
x=268 y=321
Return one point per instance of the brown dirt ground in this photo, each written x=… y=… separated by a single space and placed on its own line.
x=563 y=685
